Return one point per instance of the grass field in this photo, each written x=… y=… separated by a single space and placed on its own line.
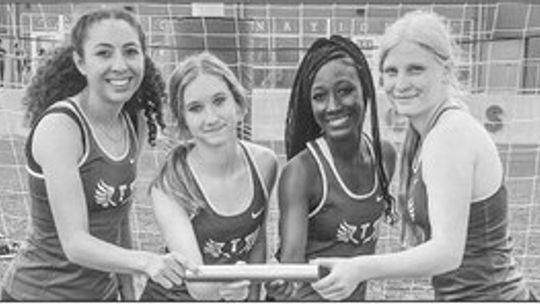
x=522 y=167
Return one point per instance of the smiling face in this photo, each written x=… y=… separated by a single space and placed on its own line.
x=113 y=60
x=337 y=99
x=210 y=111
x=414 y=80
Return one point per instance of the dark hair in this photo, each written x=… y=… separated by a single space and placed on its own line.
x=58 y=78
x=301 y=126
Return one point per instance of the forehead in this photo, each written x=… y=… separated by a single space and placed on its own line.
x=111 y=31
x=336 y=70
x=205 y=86
x=407 y=52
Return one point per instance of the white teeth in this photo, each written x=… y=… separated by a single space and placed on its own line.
x=338 y=121
x=122 y=82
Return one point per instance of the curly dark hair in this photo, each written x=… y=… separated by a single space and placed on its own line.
x=301 y=126
x=58 y=78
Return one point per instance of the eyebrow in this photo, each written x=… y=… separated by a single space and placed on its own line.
x=221 y=93
x=109 y=45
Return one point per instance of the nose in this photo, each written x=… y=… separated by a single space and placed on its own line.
x=402 y=82
x=333 y=102
x=211 y=115
x=119 y=62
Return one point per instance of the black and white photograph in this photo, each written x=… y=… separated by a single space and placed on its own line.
x=270 y=150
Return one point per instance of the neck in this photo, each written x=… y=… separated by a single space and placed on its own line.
x=217 y=161
x=345 y=148
x=425 y=121
x=103 y=113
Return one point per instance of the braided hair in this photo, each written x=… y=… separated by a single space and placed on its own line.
x=301 y=127
x=58 y=78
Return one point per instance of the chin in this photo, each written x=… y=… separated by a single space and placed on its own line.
x=337 y=134
x=406 y=110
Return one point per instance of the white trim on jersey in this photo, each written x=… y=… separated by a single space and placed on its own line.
x=245 y=206
x=261 y=180
x=107 y=153
x=324 y=181
x=326 y=153
x=86 y=151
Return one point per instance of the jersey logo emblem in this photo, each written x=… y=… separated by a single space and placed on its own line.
x=103 y=194
x=256 y=214
x=106 y=195
x=346 y=232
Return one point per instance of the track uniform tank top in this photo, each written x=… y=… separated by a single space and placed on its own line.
x=41 y=271
x=221 y=239
x=488 y=271
x=343 y=224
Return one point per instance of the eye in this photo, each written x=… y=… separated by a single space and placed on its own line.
x=318 y=96
x=345 y=91
x=219 y=100
x=104 y=53
x=194 y=108
x=131 y=52
x=390 y=71
x=416 y=69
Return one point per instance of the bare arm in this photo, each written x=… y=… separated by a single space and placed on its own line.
x=293 y=197
x=127 y=287
x=60 y=170
x=447 y=170
x=448 y=163
x=177 y=230
x=267 y=163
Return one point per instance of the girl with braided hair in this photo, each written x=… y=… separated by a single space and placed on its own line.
x=333 y=191
x=88 y=108
x=452 y=195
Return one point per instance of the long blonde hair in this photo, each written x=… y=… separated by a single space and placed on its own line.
x=428 y=30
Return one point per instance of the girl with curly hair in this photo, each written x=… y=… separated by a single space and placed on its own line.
x=89 y=107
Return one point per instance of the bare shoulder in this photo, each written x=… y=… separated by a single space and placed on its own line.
x=266 y=161
x=57 y=137
x=459 y=138
x=302 y=167
x=457 y=129
x=264 y=156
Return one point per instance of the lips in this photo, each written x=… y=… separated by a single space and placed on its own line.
x=337 y=120
x=214 y=129
x=120 y=83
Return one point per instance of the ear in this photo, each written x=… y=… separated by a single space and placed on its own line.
x=447 y=73
x=79 y=63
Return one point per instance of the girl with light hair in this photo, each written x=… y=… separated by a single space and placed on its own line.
x=210 y=198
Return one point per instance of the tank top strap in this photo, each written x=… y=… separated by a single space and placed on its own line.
x=325 y=151
x=132 y=133
x=258 y=180
x=438 y=114
x=316 y=153
x=64 y=107
x=92 y=141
